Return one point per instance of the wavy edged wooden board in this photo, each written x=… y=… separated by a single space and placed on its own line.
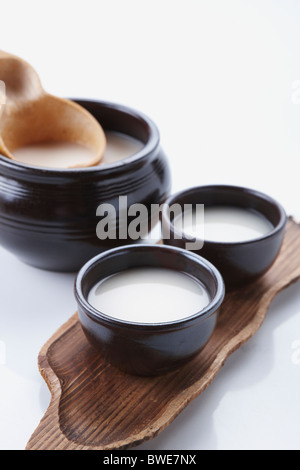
x=96 y=407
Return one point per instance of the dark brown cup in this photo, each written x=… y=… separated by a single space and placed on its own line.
x=148 y=349
x=238 y=262
x=48 y=217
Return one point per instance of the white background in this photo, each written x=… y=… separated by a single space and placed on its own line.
x=221 y=79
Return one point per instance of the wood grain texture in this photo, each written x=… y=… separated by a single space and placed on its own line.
x=96 y=407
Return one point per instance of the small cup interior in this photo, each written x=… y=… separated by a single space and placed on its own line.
x=120 y=259
x=229 y=196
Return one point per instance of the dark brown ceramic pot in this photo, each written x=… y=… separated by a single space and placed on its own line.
x=238 y=262
x=148 y=349
x=48 y=217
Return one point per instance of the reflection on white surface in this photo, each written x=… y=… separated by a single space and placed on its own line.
x=19 y=410
x=27 y=321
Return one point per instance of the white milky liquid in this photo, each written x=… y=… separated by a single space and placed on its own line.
x=120 y=146
x=225 y=224
x=149 y=295
x=66 y=154
x=54 y=154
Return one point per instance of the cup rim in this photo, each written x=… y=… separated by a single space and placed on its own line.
x=175 y=198
x=149 y=147
x=96 y=315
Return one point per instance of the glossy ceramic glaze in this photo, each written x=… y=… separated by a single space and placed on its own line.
x=148 y=348
x=48 y=217
x=239 y=262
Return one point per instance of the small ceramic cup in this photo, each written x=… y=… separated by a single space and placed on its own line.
x=148 y=349
x=239 y=262
x=48 y=217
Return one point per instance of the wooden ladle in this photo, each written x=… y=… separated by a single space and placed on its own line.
x=31 y=115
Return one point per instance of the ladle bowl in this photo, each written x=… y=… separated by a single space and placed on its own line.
x=32 y=116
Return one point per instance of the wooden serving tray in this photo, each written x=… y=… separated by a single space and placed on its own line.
x=94 y=406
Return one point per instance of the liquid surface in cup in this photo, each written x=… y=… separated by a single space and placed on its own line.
x=149 y=295
x=68 y=154
x=224 y=224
